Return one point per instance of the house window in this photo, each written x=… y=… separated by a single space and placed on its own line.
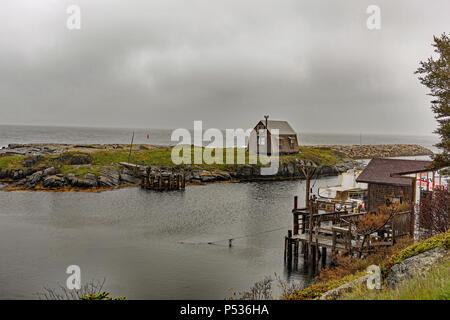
x=292 y=144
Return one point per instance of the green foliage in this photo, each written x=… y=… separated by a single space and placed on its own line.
x=100 y=296
x=11 y=162
x=316 y=290
x=435 y=74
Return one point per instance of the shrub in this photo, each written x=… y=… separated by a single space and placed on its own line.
x=434 y=214
x=100 y=296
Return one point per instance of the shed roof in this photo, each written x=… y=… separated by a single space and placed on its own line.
x=283 y=126
x=381 y=170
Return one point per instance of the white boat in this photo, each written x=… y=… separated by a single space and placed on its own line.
x=347 y=191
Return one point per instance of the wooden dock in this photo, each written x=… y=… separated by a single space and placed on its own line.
x=157 y=180
x=163 y=181
x=316 y=230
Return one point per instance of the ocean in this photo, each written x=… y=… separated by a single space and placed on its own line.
x=96 y=135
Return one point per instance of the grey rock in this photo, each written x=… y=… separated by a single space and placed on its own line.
x=75 y=159
x=30 y=161
x=418 y=264
x=54 y=182
x=86 y=183
x=34 y=179
x=107 y=181
x=49 y=171
x=290 y=169
x=346 y=287
x=208 y=177
x=129 y=179
x=18 y=174
x=90 y=176
x=72 y=179
x=21 y=182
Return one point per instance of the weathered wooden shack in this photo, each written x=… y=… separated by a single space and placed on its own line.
x=261 y=139
x=385 y=183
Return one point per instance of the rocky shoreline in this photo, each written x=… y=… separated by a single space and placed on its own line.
x=380 y=150
x=43 y=167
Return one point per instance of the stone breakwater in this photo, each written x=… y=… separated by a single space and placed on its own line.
x=368 y=151
x=380 y=150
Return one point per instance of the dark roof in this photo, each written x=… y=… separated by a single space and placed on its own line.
x=283 y=126
x=381 y=171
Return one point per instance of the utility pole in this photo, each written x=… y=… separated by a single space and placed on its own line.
x=131 y=146
x=308 y=172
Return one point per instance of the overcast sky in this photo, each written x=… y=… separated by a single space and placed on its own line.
x=166 y=63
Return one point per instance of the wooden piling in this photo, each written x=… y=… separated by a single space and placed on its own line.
x=324 y=256
x=289 y=252
x=295 y=215
x=295 y=253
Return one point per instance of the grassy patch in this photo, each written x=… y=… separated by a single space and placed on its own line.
x=320 y=156
x=316 y=290
x=162 y=157
x=11 y=162
x=434 y=285
x=79 y=171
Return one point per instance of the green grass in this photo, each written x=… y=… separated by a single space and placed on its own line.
x=316 y=290
x=320 y=156
x=163 y=157
x=11 y=162
x=434 y=285
x=79 y=171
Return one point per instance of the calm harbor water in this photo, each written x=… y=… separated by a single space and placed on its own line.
x=148 y=245
x=151 y=245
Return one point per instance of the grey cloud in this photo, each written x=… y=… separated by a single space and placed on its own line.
x=167 y=63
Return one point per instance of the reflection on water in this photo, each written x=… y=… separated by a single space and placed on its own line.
x=148 y=245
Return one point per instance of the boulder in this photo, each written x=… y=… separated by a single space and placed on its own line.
x=207 y=176
x=418 y=264
x=18 y=174
x=85 y=183
x=90 y=176
x=49 y=171
x=129 y=179
x=31 y=161
x=34 y=179
x=346 y=287
x=75 y=158
x=54 y=182
x=107 y=181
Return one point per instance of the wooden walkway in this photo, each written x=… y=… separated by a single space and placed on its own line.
x=316 y=231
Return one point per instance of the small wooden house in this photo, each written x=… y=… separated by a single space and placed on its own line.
x=261 y=139
x=386 y=185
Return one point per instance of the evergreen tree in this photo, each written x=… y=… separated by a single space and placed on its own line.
x=435 y=74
